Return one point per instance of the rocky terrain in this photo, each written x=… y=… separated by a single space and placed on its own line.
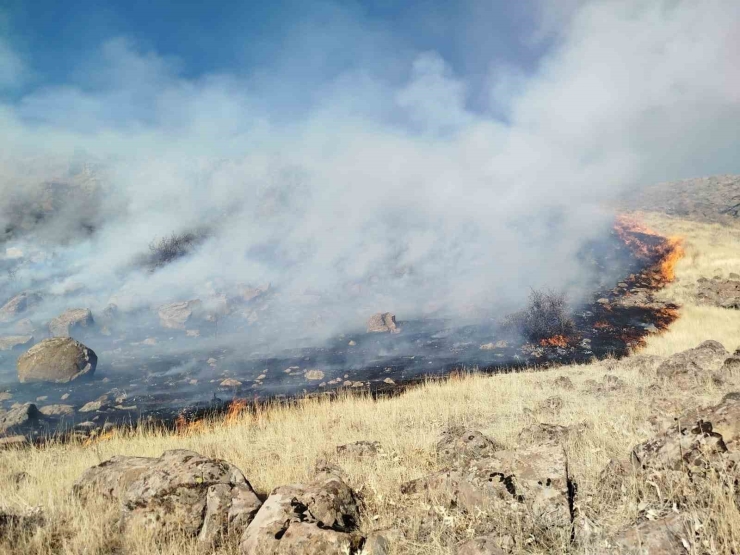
x=705 y=199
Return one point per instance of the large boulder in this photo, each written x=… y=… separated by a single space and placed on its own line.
x=58 y=360
x=382 y=322
x=18 y=305
x=321 y=518
x=70 y=321
x=179 y=491
x=178 y=315
x=534 y=480
x=685 y=367
x=718 y=292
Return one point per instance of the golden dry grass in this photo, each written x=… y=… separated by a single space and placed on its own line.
x=280 y=445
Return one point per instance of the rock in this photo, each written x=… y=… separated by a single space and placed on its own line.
x=314 y=375
x=230 y=382
x=24 y=327
x=9 y=342
x=359 y=449
x=381 y=542
x=18 y=523
x=69 y=321
x=548 y=433
x=484 y=545
x=18 y=305
x=319 y=518
x=92 y=406
x=382 y=322
x=697 y=438
x=552 y=404
x=178 y=315
x=534 y=481
x=718 y=292
x=663 y=536
x=58 y=360
x=248 y=294
x=563 y=382
x=180 y=491
x=461 y=446
x=19 y=418
x=686 y=367
x=731 y=365
x=57 y=410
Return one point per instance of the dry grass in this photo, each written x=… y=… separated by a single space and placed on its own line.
x=280 y=445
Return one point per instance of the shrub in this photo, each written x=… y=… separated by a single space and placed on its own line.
x=546 y=315
x=168 y=249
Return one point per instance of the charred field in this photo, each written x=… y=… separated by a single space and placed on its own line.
x=209 y=377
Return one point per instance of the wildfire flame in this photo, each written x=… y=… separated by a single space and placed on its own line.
x=650 y=245
x=554 y=341
x=185 y=427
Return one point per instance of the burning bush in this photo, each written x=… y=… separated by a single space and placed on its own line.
x=545 y=316
x=168 y=249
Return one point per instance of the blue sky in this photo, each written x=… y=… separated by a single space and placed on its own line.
x=306 y=41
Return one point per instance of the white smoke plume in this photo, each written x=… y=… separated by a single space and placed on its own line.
x=372 y=192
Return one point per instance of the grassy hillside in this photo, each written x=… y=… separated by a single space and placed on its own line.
x=617 y=404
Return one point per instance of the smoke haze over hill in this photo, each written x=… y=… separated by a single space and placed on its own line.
x=399 y=183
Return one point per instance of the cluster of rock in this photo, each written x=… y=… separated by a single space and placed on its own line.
x=724 y=293
x=211 y=499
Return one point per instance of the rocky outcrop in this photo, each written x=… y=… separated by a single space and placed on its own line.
x=359 y=449
x=534 y=482
x=484 y=545
x=58 y=360
x=17 y=305
x=543 y=433
x=686 y=367
x=10 y=342
x=318 y=518
x=382 y=322
x=179 y=315
x=70 y=321
x=181 y=490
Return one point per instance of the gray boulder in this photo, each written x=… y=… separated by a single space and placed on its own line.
x=459 y=446
x=179 y=491
x=73 y=320
x=20 y=419
x=58 y=360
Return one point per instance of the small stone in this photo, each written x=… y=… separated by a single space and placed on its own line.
x=91 y=406
x=389 y=381
x=230 y=382
x=314 y=374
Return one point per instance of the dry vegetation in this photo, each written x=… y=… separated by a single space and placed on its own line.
x=280 y=445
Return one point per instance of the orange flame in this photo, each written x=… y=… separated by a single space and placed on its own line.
x=554 y=341
x=236 y=407
x=666 y=250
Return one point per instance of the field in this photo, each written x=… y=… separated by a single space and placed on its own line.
x=280 y=445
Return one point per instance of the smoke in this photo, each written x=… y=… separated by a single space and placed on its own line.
x=386 y=185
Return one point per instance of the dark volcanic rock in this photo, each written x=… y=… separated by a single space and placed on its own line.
x=693 y=363
x=461 y=446
x=70 y=321
x=58 y=360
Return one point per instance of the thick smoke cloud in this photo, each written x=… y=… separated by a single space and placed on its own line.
x=378 y=192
